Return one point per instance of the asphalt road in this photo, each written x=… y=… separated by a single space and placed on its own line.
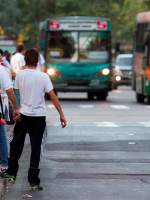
x=103 y=153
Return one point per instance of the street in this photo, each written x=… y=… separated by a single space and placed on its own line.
x=102 y=154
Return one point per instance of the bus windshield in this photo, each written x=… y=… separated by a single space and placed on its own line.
x=83 y=47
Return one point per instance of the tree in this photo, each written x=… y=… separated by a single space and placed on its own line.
x=9 y=17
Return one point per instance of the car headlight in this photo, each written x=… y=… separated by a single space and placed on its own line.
x=54 y=73
x=104 y=72
x=118 y=78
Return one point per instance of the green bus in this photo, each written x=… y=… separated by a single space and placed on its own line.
x=77 y=51
x=141 y=61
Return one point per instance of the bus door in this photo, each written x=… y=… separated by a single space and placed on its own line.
x=146 y=63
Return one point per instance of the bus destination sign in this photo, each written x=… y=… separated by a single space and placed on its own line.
x=69 y=25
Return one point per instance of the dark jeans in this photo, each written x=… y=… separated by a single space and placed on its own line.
x=36 y=127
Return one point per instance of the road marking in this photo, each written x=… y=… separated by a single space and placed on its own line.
x=131 y=134
x=131 y=142
x=86 y=106
x=145 y=124
x=120 y=107
x=106 y=124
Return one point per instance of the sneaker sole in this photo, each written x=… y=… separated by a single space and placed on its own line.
x=35 y=189
x=10 y=180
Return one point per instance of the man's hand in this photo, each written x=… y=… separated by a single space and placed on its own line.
x=63 y=121
x=16 y=115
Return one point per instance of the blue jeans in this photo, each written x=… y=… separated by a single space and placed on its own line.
x=17 y=97
x=3 y=147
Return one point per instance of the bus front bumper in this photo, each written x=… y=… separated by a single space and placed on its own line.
x=63 y=87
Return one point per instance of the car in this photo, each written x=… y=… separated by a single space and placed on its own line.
x=122 y=72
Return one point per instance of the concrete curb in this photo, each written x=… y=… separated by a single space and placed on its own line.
x=2 y=189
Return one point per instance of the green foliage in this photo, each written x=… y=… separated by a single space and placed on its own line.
x=25 y=15
x=9 y=17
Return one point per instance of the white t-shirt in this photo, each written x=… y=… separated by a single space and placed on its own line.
x=5 y=81
x=41 y=61
x=17 y=61
x=32 y=85
x=6 y=63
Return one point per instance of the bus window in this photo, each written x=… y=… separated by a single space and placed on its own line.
x=94 y=47
x=61 y=46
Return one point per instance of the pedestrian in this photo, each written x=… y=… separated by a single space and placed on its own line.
x=33 y=122
x=17 y=63
x=5 y=108
x=6 y=63
x=41 y=62
x=6 y=84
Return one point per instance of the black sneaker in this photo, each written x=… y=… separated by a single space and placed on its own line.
x=2 y=171
x=34 y=187
x=8 y=178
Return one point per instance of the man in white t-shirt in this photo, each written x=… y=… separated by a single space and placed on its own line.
x=17 y=63
x=33 y=122
x=6 y=84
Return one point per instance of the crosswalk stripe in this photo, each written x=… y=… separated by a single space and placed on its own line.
x=104 y=124
x=119 y=107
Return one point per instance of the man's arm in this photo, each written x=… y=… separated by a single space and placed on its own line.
x=58 y=107
x=13 y=74
x=12 y=97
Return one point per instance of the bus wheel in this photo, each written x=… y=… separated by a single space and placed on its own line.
x=148 y=100
x=140 y=98
x=102 y=96
x=90 y=95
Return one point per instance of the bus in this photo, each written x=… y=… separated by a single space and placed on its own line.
x=77 y=51
x=141 y=58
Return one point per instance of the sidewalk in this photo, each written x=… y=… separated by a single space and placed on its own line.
x=2 y=189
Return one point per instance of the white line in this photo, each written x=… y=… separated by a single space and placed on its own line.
x=120 y=107
x=106 y=124
x=132 y=143
x=145 y=124
x=85 y=106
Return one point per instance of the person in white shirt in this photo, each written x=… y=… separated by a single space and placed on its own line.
x=5 y=85
x=33 y=118
x=17 y=63
x=6 y=63
x=41 y=63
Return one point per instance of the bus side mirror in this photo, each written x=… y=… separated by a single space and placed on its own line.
x=146 y=37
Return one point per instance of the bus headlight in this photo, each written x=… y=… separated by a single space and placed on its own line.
x=104 y=72
x=51 y=71
x=54 y=73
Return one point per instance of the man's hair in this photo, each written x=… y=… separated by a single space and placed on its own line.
x=20 y=48
x=31 y=57
x=1 y=52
